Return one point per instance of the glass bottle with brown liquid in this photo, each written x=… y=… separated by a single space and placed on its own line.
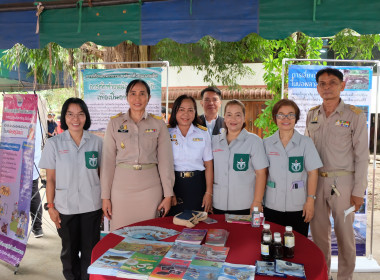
x=289 y=241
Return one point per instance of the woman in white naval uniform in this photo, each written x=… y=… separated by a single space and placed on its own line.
x=192 y=158
x=293 y=171
x=72 y=161
x=240 y=165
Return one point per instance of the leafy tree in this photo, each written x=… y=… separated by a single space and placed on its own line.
x=297 y=46
x=222 y=61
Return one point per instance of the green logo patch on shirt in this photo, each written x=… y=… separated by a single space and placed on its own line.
x=295 y=164
x=91 y=159
x=241 y=162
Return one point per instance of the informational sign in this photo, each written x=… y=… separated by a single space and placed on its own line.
x=303 y=90
x=16 y=173
x=105 y=92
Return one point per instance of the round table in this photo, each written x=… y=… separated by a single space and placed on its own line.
x=244 y=243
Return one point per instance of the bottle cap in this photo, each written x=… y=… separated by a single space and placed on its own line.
x=277 y=234
x=277 y=239
x=288 y=228
x=256 y=209
x=266 y=237
x=266 y=226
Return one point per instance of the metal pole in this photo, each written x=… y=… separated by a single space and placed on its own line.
x=283 y=77
x=374 y=160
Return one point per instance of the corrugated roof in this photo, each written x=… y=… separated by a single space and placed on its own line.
x=245 y=93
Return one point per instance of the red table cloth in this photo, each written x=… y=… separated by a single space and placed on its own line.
x=244 y=242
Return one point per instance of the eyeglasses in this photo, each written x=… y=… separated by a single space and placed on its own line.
x=72 y=116
x=290 y=116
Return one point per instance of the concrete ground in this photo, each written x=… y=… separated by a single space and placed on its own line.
x=41 y=260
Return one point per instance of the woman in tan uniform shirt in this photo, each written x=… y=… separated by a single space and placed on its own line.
x=137 y=174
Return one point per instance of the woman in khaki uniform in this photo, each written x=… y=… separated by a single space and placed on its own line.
x=137 y=174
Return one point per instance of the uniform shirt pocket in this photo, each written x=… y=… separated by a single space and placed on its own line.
x=340 y=135
x=312 y=129
x=152 y=137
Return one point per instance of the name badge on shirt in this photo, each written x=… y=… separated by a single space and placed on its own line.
x=91 y=159
x=295 y=164
x=197 y=139
x=342 y=123
x=150 y=130
x=241 y=162
x=123 y=129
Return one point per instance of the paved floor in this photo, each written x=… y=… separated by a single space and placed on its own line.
x=41 y=260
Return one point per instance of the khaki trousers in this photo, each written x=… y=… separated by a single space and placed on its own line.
x=320 y=225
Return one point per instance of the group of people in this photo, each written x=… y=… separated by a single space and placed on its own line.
x=144 y=168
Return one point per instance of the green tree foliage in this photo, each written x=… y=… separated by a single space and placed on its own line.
x=297 y=46
x=348 y=44
x=221 y=61
x=46 y=64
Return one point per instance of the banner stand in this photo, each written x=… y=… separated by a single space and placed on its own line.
x=163 y=63
x=367 y=263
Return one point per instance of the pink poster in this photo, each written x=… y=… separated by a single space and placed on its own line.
x=16 y=173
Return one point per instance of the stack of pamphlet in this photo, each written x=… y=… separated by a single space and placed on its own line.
x=216 y=237
x=130 y=260
x=280 y=268
x=109 y=263
x=232 y=271
x=175 y=262
x=239 y=219
x=207 y=263
x=191 y=236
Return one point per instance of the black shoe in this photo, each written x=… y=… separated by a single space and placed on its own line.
x=38 y=233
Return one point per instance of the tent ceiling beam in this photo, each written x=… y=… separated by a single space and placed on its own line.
x=65 y=4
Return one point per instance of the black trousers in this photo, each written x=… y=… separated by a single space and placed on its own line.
x=293 y=219
x=34 y=204
x=189 y=192
x=79 y=234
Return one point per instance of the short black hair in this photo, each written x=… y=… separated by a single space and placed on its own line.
x=83 y=106
x=177 y=103
x=137 y=81
x=329 y=71
x=213 y=89
x=285 y=102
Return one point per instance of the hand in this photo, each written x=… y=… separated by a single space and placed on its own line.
x=357 y=201
x=107 y=208
x=308 y=210
x=207 y=202
x=54 y=216
x=165 y=203
x=258 y=205
x=174 y=200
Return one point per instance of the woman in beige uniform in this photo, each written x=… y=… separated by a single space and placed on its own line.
x=137 y=174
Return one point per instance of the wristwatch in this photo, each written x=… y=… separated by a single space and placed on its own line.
x=312 y=196
x=48 y=205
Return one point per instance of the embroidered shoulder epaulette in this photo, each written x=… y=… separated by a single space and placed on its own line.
x=202 y=127
x=355 y=109
x=315 y=107
x=156 y=117
x=116 y=116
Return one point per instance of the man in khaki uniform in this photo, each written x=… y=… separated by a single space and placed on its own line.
x=339 y=132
